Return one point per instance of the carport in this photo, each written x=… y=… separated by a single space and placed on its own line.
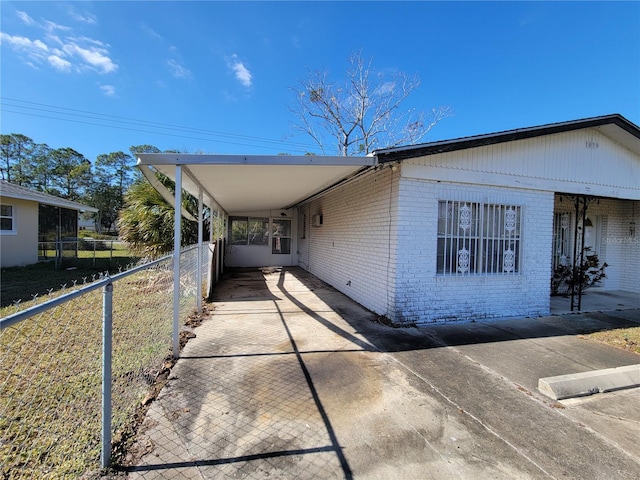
x=235 y=184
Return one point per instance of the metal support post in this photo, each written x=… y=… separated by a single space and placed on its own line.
x=574 y=277
x=200 y=253
x=107 y=331
x=582 y=256
x=177 y=240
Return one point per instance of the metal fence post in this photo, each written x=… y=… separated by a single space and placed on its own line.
x=107 y=330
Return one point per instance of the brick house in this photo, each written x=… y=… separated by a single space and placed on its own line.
x=452 y=230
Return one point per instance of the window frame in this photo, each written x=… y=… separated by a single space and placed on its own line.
x=281 y=241
x=248 y=240
x=12 y=217
x=478 y=238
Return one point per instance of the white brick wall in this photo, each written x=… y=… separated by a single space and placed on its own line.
x=423 y=296
x=379 y=239
x=354 y=250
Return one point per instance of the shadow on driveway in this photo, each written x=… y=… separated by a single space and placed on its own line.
x=291 y=379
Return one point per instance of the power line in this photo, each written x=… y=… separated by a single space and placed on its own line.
x=115 y=120
x=142 y=131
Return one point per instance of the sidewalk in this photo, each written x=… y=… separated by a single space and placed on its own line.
x=288 y=378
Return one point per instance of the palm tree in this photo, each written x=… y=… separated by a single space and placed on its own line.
x=146 y=222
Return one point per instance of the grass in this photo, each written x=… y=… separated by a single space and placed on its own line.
x=624 y=338
x=21 y=284
x=50 y=392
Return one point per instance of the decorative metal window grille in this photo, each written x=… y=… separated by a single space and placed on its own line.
x=478 y=238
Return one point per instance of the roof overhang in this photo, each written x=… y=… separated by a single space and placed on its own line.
x=615 y=126
x=249 y=183
x=10 y=190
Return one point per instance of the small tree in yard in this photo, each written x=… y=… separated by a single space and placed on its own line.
x=362 y=113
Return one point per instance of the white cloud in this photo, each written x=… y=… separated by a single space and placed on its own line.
x=23 y=43
x=386 y=88
x=151 y=31
x=108 y=90
x=59 y=63
x=64 y=54
x=177 y=69
x=50 y=26
x=242 y=73
x=93 y=41
x=94 y=58
x=25 y=17
x=89 y=18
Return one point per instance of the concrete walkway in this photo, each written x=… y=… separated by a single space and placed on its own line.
x=288 y=378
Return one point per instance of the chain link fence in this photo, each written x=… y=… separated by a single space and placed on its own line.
x=51 y=357
x=67 y=251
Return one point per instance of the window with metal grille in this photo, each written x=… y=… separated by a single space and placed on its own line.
x=478 y=238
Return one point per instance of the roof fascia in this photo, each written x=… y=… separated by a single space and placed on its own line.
x=413 y=151
x=200 y=159
x=44 y=199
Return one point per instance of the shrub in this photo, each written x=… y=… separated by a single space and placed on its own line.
x=586 y=274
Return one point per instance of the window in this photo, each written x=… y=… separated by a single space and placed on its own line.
x=478 y=238
x=248 y=231
x=7 y=220
x=281 y=237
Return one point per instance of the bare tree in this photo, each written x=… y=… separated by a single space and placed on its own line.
x=363 y=113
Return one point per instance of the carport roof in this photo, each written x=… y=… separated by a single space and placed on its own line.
x=247 y=183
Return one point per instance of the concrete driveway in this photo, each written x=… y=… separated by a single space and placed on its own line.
x=288 y=378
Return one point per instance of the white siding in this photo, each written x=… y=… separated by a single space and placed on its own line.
x=260 y=255
x=20 y=248
x=581 y=161
x=423 y=296
x=354 y=249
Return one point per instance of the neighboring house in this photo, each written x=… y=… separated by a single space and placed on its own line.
x=86 y=222
x=28 y=217
x=461 y=229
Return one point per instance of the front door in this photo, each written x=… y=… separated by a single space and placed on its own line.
x=281 y=242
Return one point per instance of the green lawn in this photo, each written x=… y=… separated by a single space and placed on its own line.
x=50 y=396
x=22 y=283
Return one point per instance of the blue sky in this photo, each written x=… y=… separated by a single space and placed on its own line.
x=217 y=76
